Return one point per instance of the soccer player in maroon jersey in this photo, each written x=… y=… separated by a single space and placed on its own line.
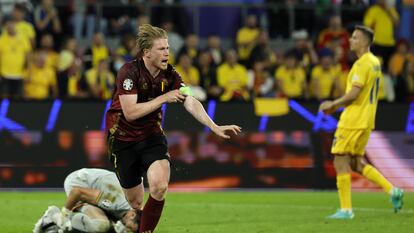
x=136 y=141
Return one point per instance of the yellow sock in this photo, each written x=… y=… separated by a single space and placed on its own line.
x=343 y=183
x=375 y=176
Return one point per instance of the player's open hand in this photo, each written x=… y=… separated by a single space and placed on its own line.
x=222 y=130
x=327 y=107
x=174 y=96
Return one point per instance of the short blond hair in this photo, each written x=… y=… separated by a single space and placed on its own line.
x=147 y=34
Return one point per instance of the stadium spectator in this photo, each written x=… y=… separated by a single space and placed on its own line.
x=187 y=71
x=126 y=52
x=333 y=31
x=23 y=28
x=356 y=123
x=46 y=47
x=95 y=203
x=232 y=77
x=190 y=76
x=208 y=76
x=14 y=56
x=341 y=56
x=46 y=19
x=404 y=87
x=175 y=40
x=304 y=49
x=336 y=38
x=96 y=52
x=136 y=141
x=260 y=80
x=340 y=84
x=386 y=87
x=214 y=49
x=84 y=14
x=100 y=81
x=67 y=69
x=139 y=21
x=401 y=54
x=191 y=47
x=76 y=87
x=40 y=82
x=324 y=76
x=291 y=77
x=383 y=18
x=246 y=39
x=262 y=52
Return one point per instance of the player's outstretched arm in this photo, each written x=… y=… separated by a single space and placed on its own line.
x=195 y=108
x=329 y=107
x=133 y=110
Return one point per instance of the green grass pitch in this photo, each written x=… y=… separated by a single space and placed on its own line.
x=237 y=212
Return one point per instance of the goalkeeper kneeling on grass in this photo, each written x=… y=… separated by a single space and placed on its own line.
x=95 y=203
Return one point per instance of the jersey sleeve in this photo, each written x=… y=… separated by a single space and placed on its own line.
x=177 y=81
x=125 y=81
x=360 y=75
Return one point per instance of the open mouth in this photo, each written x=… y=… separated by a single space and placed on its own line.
x=164 y=62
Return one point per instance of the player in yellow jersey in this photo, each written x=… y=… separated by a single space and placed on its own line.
x=356 y=122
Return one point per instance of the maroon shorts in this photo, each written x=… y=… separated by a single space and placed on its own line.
x=132 y=159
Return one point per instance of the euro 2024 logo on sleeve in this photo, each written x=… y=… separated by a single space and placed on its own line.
x=127 y=84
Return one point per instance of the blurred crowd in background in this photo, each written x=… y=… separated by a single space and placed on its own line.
x=65 y=51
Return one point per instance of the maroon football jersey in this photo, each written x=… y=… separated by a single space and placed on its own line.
x=134 y=78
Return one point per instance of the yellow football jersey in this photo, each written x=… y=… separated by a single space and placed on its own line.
x=322 y=81
x=106 y=81
x=379 y=20
x=13 y=54
x=291 y=80
x=26 y=30
x=39 y=82
x=366 y=74
x=232 y=79
x=98 y=54
x=191 y=78
x=246 y=36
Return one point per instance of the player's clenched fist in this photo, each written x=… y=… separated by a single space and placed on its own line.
x=174 y=96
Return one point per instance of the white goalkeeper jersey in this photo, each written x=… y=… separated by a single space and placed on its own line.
x=112 y=198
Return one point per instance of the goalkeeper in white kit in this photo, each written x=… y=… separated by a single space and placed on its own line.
x=95 y=203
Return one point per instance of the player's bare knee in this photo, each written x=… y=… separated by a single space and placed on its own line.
x=342 y=163
x=159 y=190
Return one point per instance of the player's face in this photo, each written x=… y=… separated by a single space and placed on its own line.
x=129 y=221
x=357 y=41
x=159 y=53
